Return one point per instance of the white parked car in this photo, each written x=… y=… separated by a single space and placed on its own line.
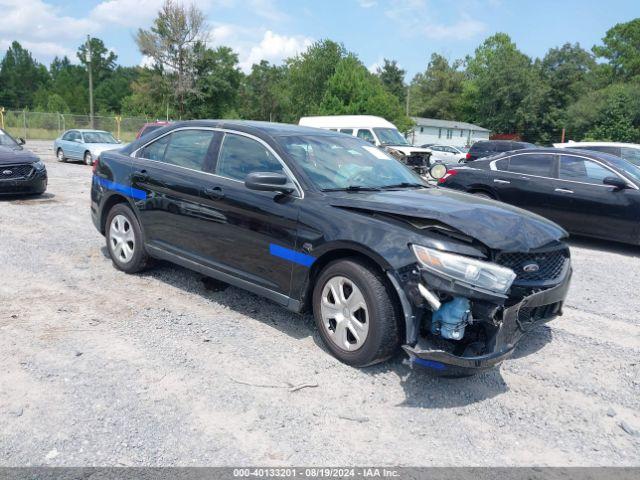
x=379 y=132
x=628 y=151
x=446 y=153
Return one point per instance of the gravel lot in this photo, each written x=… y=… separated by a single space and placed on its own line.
x=102 y=368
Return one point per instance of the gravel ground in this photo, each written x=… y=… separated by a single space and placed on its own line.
x=102 y=368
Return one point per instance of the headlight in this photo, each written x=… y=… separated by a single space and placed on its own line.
x=477 y=273
x=39 y=165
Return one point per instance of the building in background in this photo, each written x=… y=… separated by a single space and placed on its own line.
x=447 y=132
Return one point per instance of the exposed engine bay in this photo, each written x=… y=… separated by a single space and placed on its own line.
x=418 y=161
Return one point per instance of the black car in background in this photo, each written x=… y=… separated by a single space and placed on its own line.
x=21 y=171
x=487 y=148
x=318 y=220
x=589 y=193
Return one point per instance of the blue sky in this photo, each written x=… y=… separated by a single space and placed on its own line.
x=405 y=30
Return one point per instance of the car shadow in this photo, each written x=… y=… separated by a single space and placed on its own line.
x=604 y=246
x=28 y=198
x=423 y=388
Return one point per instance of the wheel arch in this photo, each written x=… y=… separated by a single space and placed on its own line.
x=482 y=189
x=109 y=203
x=349 y=251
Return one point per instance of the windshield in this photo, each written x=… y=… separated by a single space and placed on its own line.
x=339 y=162
x=7 y=140
x=390 y=136
x=631 y=154
x=623 y=165
x=98 y=137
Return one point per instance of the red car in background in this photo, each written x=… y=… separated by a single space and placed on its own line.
x=150 y=127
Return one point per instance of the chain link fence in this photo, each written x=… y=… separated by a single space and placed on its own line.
x=49 y=126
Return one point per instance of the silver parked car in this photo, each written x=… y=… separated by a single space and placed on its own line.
x=85 y=145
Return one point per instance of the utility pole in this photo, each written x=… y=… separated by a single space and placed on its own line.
x=90 y=81
x=408 y=97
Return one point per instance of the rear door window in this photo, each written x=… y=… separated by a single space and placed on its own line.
x=189 y=148
x=579 y=169
x=540 y=165
x=240 y=156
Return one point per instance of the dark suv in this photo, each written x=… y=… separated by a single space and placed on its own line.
x=313 y=219
x=486 y=148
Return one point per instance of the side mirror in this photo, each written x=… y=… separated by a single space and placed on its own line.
x=268 y=182
x=616 y=182
x=21 y=141
x=438 y=171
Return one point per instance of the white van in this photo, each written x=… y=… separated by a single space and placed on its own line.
x=374 y=129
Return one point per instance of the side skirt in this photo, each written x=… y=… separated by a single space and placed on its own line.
x=279 y=298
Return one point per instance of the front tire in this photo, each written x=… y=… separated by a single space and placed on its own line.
x=125 y=241
x=356 y=313
x=60 y=155
x=88 y=158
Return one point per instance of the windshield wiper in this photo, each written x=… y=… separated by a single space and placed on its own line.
x=352 y=188
x=405 y=185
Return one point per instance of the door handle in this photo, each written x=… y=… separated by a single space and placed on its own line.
x=141 y=176
x=497 y=180
x=563 y=190
x=215 y=193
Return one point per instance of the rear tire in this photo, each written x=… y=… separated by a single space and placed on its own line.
x=356 y=313
x=125 y=241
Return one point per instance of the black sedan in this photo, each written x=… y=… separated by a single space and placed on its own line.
x=318 y=220
x=588 y=193
x=21 y=172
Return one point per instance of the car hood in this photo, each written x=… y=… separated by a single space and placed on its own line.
x=496 y=225
x=408 y=149
x=103 y=147
x=9 y=156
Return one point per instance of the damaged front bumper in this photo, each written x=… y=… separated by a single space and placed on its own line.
x=517 y=320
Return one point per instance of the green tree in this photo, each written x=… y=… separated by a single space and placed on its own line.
x=392 y=77
x=102 y=62
x=621 y=48
x=353 y=90
x=217 y=80
x=70 y=83
x=20 y=78
x=171 y=43
x=436 y=92
x=309 y=73
x=499 y=78
x=263 y=95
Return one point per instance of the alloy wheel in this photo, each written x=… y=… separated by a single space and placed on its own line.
x=88 y=158
x=345 y=315
x=121 y=238
x=60 y=155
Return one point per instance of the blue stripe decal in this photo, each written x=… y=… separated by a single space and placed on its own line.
x=118 y=187
x=291 y=255
x=430 y=363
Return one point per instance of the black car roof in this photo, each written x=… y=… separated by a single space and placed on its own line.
x=256 y=127
x=602 y=156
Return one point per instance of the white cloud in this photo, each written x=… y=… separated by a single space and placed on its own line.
x=129 y=13
x=274 y=48
x=253 y=46
x=416 y=17
x=373 y=68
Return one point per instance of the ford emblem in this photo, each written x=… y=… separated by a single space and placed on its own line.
x=531 y=267
x=7 y=172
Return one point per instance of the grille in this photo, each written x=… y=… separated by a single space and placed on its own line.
x=549 y=264
x=416 y=159
x=12 y=172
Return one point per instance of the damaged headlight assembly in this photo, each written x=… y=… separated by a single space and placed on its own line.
x=468 y=271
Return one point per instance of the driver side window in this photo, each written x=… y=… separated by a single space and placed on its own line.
x=366 y=135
